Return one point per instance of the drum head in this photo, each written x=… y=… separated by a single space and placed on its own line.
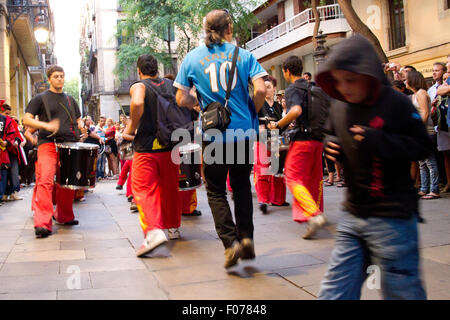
x=189 y=148
x=77 y=146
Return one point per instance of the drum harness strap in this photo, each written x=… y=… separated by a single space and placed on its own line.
x=49 y=117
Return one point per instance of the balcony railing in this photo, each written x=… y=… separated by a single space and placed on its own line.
x=305 y=17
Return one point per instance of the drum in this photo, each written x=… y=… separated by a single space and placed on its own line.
x=126 y=150
x=283 y=142
x=77 y=165
x=190 y=167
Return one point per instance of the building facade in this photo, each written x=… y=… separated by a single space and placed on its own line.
x=287 y=29
x=411 y=32
x=23 y=59
x=102 y=92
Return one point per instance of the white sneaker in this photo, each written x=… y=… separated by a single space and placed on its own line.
x=173 y=233
x=314 y=224
x=154 y=239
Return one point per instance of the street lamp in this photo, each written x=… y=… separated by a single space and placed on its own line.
x=41 y=33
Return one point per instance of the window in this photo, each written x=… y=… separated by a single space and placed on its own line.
x=397 y=35
x=170 y=29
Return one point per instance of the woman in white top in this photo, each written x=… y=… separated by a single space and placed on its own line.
x=428 y=167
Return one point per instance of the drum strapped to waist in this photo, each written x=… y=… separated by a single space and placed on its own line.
x=190 y=167
x=77 y=165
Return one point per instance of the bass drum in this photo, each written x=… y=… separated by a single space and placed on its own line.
x=190 y=167
x=77 y=165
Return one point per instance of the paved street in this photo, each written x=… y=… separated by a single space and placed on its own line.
x=103 y=246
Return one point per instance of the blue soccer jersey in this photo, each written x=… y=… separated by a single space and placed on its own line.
x=207 y=69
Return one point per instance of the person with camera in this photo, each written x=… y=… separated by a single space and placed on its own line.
x=210 y=69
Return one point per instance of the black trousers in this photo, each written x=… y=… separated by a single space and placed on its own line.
x=216 y=180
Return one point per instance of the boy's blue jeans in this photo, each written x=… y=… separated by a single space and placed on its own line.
x=388 y=243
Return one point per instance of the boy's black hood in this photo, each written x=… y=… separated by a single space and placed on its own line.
x=355 y=54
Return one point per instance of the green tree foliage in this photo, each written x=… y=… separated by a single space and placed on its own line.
x=146 y=27
x=72 y=88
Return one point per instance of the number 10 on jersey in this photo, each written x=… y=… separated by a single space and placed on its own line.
x=223 y=75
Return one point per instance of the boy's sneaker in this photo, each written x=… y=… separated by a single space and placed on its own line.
x=232 y=255
x=173 y=233
x=248 y=249
x=154 y=239
x=314 y=224
x=42 y=232
x=119 y=187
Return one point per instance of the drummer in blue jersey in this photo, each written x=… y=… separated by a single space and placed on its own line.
x=207 y=68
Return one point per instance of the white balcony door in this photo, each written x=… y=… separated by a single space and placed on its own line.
x=289 y=9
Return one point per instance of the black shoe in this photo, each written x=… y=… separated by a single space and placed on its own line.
x=70 y=223
x=263 y=208
x=196 y=213
x=286 y=204
x=119 y=187
x=130 y=198
x=42 y=232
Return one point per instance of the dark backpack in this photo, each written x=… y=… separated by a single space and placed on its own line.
x=318 y=109
x=169 y=116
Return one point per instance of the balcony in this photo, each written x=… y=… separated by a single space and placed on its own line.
x=23 y=14
x=298 y=28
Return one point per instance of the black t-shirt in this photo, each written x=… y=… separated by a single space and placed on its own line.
x=298 y=97
x=62 y=107
x=275 y=111
x=145 y=140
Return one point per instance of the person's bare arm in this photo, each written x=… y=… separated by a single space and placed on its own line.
x=259 y=93
x=422 y=99
x=29 y=135
x=52 y=126
x=186 y=99
x=137 y=93
x=443 y=90
x=293 y=114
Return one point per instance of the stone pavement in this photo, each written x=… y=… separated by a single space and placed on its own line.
x=103 y=246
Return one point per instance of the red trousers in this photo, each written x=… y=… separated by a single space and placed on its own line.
x=304 y=179
x=188 y=201
x=269 y=189
x=125 y=176
x=155 y=182
x=42 y=203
